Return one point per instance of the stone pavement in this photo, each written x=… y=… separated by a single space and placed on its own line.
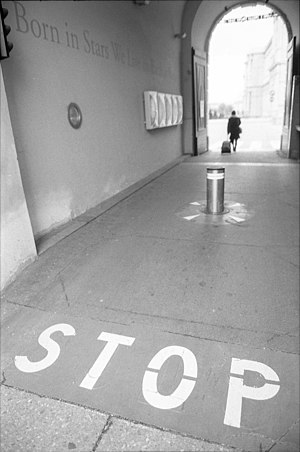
x=156 y=319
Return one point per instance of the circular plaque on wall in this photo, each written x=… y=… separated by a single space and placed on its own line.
x=74 y=115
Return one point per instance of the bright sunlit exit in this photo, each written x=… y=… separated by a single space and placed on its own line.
x=247 y=73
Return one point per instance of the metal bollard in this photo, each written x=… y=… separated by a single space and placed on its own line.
x=215 y=179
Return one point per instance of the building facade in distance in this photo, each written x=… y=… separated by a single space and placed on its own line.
x=265 y=77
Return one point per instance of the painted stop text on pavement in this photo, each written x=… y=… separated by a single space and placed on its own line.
x=112 y=343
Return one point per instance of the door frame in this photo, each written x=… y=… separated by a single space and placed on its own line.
x=290 y=72
x=200 y=139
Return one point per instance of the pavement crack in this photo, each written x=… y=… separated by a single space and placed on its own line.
x=196 y=322
x=267 y=247
x=24 y=305
x=105 y=429
x=64 y=290
x=277 y=335
x=277 y=441
x=3 y=378
x=286 y=260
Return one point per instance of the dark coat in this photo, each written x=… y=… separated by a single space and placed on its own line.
x=233 y=127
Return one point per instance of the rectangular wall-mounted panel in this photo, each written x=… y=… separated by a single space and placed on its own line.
x=151 y=109
x=168 y=103
x=180 y=110
x=174 y=110
x=162 y=110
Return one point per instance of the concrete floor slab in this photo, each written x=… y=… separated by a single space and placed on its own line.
x=30 y=422
x=73 y=372
x=142 y=271
x=127 y=436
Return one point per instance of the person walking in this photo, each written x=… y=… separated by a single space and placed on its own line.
x=233 y=128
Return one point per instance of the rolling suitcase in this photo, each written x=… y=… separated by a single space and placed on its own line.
x=225 y=147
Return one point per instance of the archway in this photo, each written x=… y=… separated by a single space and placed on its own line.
x=247 y=68
x=199 y=19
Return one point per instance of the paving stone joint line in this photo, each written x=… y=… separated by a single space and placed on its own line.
x=279 y=440
x=105 y=429
x=109 y=421
x=231 y=342
x=195 y=322
x=274 y=334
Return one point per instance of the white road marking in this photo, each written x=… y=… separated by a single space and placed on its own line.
x=191 y=217
x=113 y=341
x=185 y=387
x=237 y=390
x=25 y=365
x=237 y=219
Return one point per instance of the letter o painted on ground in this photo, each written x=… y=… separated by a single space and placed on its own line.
x=185 y=387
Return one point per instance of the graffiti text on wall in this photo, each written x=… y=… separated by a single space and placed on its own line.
x=87 y=43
